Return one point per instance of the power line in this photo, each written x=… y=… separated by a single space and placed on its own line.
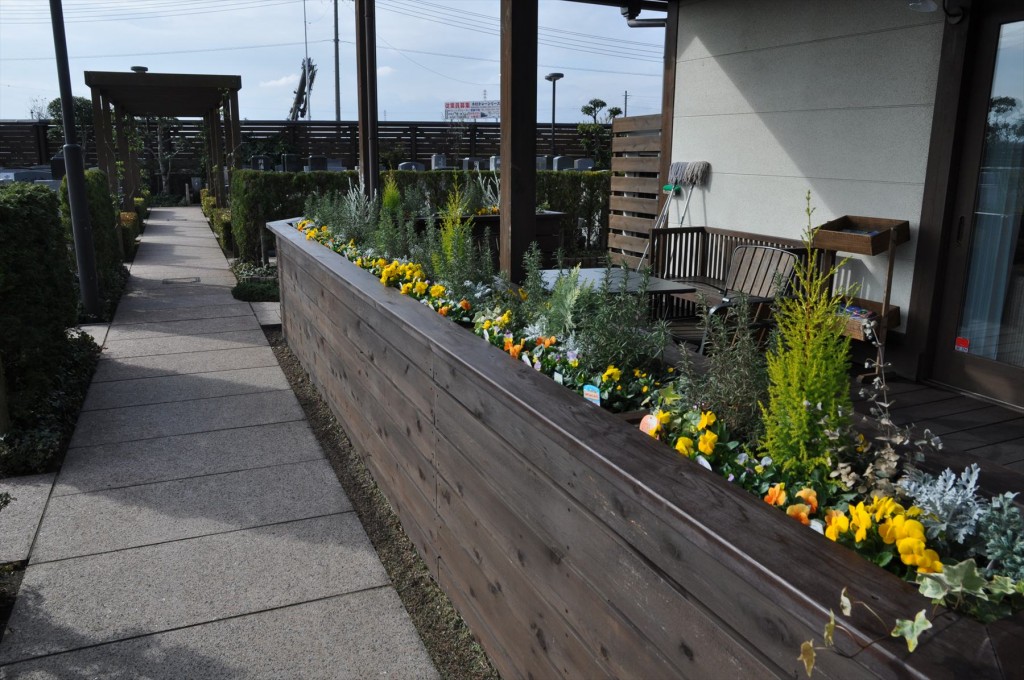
x=155 y=54
x=425 y=68
x=156 y=14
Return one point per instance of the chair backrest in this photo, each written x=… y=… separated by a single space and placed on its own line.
x=760 y=271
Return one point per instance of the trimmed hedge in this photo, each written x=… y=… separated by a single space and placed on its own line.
x=220 y=223
x=261 y=197
x=129 y=231
x=38 y=301
x=104 y=219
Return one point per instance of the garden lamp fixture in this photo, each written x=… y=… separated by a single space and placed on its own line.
x=554 y=78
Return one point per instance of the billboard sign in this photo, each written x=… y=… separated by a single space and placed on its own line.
x=488 y=108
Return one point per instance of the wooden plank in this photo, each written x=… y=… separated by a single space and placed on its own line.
x=636 y=143
x=555 y=540
x=631 y=261
x=647 y=206
x=650 y=123
x=645 y=164
x=634 y=244
x=640 y=225
x=642 y=185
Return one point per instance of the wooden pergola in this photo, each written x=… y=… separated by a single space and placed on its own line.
x=117 y=96
x=519 y=27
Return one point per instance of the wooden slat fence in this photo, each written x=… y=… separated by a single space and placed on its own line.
x=636 y=186
x=574 y=545
x=24 y=143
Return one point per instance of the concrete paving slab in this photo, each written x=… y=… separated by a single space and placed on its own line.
x=185 y=343
x=20 y=519
x=182 y=417
x=147 y=288
x=181 y=313
x=101 y=598
x=98 y=331
x=185 y=327
x=128 y=368
x=108 y=466
x=144 y=303
x=152 y=277
x=267 y=313
x=350 y=637
x=166 y=389
x=129 y=517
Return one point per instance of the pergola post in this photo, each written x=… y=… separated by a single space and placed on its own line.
x=518 y=201
x=121 y=164
x=366 y=58
x=235 y=126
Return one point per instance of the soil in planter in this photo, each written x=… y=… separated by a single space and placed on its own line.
x=448 y=640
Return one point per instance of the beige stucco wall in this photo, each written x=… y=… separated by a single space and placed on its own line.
x=834 y=96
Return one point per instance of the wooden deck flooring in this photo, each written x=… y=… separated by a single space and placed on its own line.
x=965 y=425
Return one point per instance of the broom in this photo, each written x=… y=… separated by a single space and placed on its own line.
x=694 y=174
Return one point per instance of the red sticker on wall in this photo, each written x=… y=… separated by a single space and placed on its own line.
x=963 y=345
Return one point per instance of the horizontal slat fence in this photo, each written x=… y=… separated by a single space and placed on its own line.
x=574 y=545
x=633 y=206
x=24 y=143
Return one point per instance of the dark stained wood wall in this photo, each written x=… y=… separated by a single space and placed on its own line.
x=573 y=545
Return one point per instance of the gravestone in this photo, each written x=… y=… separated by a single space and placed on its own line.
x=317 y=163
x=584 y=164
x=411 y=165
x=264 y=163
x=542 y=162
x=495 y=163
x=57 y=170
x=438 y=162
x=562 y=163
x=335 y=165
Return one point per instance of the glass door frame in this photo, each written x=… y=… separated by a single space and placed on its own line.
x=989 y=378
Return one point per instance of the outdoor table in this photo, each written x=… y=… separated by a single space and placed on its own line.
x=595 y=277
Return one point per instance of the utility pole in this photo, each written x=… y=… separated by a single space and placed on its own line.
x=625 y=104
x=305 y=63
x=74 y=166
x=337 y=70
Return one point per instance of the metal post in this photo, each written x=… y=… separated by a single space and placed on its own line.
x=74 y=165
x=554 y=78
x=337 y=70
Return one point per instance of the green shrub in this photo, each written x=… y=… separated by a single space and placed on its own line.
x=220 y=223
x=208 y=205
x=260 y=197
x=257 y=291
x=129 y=231
x=808 y=373
x=103 y=218
x=44 y=370
x=37 y=292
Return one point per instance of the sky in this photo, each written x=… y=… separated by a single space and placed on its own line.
x=428 y=52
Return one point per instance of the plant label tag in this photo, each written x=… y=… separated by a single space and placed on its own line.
x=649 y=425
x=487 y=335
x=558 y=378
x=963 y=345
x=592 y=393
x=526 y=359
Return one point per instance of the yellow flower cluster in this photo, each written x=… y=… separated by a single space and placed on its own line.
x=894 y=524
x=611 y=374
x=396 y=271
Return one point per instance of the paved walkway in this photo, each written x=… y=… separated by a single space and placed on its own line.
x=196 y=529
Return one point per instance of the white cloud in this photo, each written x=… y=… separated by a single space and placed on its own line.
x=283 y=81
x=384 y=71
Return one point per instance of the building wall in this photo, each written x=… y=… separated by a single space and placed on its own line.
x=831 y=96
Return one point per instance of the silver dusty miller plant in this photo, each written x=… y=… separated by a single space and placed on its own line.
x=896 y=446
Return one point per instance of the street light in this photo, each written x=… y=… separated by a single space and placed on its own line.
x=554 y=78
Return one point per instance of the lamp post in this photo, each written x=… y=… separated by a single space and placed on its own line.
x=554 y=78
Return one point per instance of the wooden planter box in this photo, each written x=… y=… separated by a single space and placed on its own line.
x=573 y=544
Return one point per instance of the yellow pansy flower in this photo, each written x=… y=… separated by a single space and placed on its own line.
x=707 y=442
x=684 y=445
x=707 y=419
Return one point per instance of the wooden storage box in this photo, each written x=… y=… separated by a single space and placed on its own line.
x=861 y=235
x=854 y=327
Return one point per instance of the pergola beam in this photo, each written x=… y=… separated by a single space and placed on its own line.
x=518 y=200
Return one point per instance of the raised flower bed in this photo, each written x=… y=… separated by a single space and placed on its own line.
x=572 y=543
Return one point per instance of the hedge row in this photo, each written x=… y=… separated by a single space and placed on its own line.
x=38 y=300
x=104 y=218
x=260 y=197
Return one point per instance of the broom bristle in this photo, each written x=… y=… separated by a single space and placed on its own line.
x=697 y=173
